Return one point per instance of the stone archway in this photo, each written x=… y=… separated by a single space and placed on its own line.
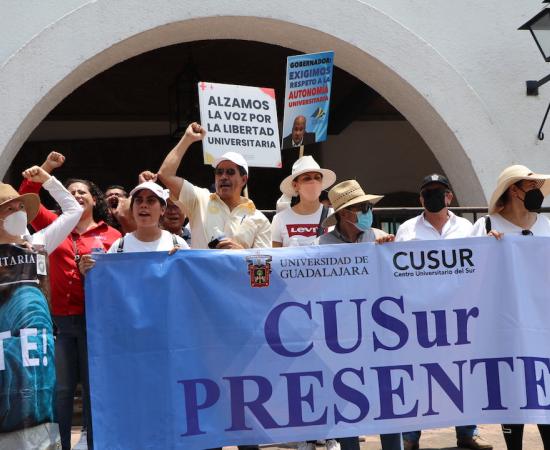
x=370 y=45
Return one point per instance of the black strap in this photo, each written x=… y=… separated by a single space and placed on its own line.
x=324 y=214
x=120 y=247
x=488 y=226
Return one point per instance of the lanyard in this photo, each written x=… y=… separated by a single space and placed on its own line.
x=75 y=249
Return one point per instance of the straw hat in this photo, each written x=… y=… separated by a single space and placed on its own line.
x=512 y=175
x=303 y=165
x=31 y=201
x=345 y=194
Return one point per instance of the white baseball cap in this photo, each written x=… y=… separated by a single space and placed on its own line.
x=155 y=188
x=235 y=157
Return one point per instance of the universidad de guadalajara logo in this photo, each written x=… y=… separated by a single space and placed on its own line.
x=259 y=269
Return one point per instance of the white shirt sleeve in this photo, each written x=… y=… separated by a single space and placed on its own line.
x=182 y=243
x=114 y=246
x=276 y=235
x=59 y=229
x=479 y=227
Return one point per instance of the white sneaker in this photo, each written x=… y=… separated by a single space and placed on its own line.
x=332 y=444
x=306 y=446
x=82 y=443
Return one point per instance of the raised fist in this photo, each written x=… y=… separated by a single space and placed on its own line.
x=36 y=174
x=53 y=161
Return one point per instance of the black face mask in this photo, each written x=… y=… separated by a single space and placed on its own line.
x=533 y=199
x=434 y=199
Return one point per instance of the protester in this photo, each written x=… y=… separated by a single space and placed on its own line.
x=119 y=208
x=148 y=205
x=224 y=219
x=301 y=224
x=27 y=407
x=175 y=222
x=67 y=291
x=437 y=222
x=352 y=221
x=512 y=210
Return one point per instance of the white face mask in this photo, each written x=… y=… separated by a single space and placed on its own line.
x=16 y=224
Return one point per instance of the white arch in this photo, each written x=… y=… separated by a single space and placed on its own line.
x=401 y=66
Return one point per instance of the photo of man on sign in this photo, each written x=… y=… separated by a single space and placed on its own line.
x=299 y=135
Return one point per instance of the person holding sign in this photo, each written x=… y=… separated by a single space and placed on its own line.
x=27 y=369
x=301 y=224
x=224 y=219
x=299 y=135
x=512 y=210
x=437 y=222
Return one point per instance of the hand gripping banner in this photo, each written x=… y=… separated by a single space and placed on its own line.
x=209 y=348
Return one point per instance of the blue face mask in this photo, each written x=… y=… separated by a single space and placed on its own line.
x=364 y=220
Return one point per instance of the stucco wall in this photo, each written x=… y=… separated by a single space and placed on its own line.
x=456 y=70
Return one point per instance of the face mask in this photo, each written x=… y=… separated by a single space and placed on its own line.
x=310 y=191
x=16 y=224
x=533 y=199
x=364 y=220
x=434 y=200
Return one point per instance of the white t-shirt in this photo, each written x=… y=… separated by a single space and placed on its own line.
x=541 y=227
x=293 y=229
x=206 y=212
x=418 y=228
x=132 y=244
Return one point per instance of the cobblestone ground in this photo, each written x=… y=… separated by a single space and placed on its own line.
x=438 y=439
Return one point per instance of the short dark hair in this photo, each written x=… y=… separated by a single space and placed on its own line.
x=117 y=186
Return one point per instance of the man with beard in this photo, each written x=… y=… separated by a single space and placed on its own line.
x=224 y=219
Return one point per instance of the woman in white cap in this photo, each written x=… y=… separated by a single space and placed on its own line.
x=148 y=204
x=301 y=223
x=512 y=210
x=513 y=205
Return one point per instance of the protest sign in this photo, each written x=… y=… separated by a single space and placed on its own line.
x=240 y=119
x=307 y=98
x=203 y=348
x=27 y=368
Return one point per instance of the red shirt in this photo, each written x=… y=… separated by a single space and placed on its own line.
x=66 y=282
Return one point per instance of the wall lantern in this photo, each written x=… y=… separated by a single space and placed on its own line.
x=539 y=26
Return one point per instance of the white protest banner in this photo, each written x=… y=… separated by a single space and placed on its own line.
x=240 y=119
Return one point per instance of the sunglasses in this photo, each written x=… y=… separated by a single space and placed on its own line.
x=526 y=233
x=230 y=172
x=363 y=208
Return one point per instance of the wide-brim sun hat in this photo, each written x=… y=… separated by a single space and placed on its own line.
x=347 y=193
x=512 y=175
x=157 y=189
x=31 y=201
x=234 y=157
x=303 y=165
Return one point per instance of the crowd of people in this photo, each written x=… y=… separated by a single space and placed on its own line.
x=180 y=215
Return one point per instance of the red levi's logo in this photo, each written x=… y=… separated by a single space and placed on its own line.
x=302 y=229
